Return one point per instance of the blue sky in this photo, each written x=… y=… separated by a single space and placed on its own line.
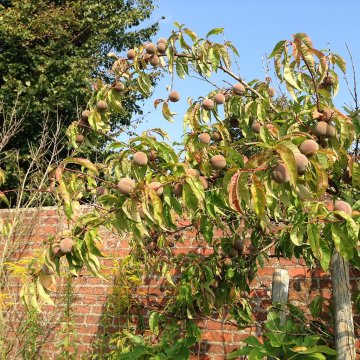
x=254 y=27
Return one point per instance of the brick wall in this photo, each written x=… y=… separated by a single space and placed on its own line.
x=93 y=313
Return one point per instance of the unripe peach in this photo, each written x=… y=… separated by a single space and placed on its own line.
x=126 y=185
x=140 y=158
x=85 y=115
x=238 y=89
x=320 y=129
x=217 y=136
x=131 y=54
x=79 y=138
x=174 y=96
x=271 y=91
x=239 y=246
x=153 y=155
x=146 y=57
x=46 y=281
x=219 y=98
x=331 y=131
x=233 y=253
x=83 y=123
x=154 y=60
x=326 y=115
x=161 y=41
x=66 y=245
x=204 y=182
x=101 y=105
x=256 y=126
x=204 y=138
x=177 y=189
x=47 y=270
x=161 y=48
x=157 y=186
x=150 y=48
x=119 y=86
x=101 y=190
x=56 y=251
x=280 y=174
x=218 y=162
x=308 y=147
x=208 y=104
x=343 y=206
x=192 y=172
x=302 y=163
x=329 y=80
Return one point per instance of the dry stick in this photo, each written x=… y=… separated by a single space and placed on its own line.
x=234 y=76
x=354 y=95
x=247 y=86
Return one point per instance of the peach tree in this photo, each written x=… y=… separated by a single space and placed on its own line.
x=270 y=174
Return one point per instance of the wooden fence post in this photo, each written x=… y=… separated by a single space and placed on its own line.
x=344 y=326
x=280 y=291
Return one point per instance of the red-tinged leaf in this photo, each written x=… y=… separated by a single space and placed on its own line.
x=323 y=62
x=321 y=177
x=296 y=46
x=233 y=190
x=304 y=38
x=258 y=198
x=289 y=76
x=340 y=62
x=4 y=198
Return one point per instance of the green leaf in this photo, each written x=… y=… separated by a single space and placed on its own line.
x=289 y=76
x=215 y=31
x=190 y=200
x=154 y=322
x=314 y=239
x=356 y=175
x=166 y=112
x=214 y=57
x=287 y=156
x=42 y=292
x=316 y=306
x=258 y=198
x=181 y=67
x=279 y=47
x=190 y=33
x=82 y=162
x=317 y=349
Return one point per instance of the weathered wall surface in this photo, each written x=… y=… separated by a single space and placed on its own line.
x=93 y=313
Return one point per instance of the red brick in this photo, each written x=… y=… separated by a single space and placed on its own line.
x=91 y=294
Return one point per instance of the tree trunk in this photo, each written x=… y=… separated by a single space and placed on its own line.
x=344 y=326
x=280 y=291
